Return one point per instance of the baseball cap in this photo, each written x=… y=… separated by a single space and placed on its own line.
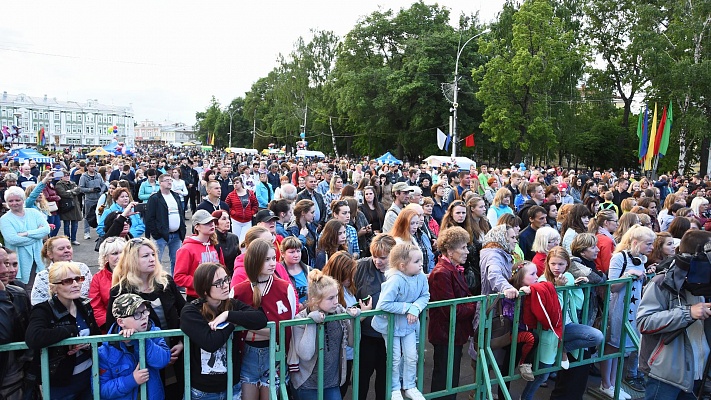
x=126 y=305
x=562 y=186
x=401 y=187
x=58 y=174
x=414 y=189
x=202 y=217
x=265 y=216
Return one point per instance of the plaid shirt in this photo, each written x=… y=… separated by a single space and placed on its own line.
x=352 y=241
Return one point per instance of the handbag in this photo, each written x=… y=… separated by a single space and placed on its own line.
x=66 y=205
x=52 y=206
x=501 y=326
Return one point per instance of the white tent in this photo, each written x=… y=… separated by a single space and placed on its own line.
x=242 y=150
x=462 y=162
x=309 y=153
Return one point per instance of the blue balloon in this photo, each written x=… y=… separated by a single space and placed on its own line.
x=302 y=135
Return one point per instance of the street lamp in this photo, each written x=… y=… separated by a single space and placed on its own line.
x=231 y=114
x=455 y=105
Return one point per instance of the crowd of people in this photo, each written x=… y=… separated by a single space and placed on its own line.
x=272 y=240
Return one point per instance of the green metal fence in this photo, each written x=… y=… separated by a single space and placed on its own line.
x=487 y=374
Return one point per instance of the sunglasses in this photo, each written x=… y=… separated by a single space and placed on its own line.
x=137 y=241
x=69 y=281
x=221 y=282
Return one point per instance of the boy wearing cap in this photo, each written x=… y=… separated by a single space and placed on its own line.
x=120 y=374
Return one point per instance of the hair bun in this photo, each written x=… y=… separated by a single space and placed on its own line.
x=315 y=275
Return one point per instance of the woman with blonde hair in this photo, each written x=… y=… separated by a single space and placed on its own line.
x=66 y=314
x=627 y=204
x=99 y=290
x=624 y=223
x=699 y=206
x=56 y=249
x=500 y=206
x=546 y=239
x=140 y=272
x=334 y=192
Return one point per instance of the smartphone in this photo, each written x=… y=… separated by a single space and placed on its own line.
x=140 y=207
x=365 y=301
x=222 y=325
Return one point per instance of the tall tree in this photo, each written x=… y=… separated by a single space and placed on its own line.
x=516 y=82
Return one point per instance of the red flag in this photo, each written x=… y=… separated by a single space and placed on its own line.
x=469 y=140
x=660 y=132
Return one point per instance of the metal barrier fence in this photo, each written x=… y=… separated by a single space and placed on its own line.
x=487 y=371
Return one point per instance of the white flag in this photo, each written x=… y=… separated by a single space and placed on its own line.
x=441 y=139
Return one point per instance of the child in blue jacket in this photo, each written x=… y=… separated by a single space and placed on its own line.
x=404 y=293
x=119 y=370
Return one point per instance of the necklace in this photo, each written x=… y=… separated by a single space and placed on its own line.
x=263 y=281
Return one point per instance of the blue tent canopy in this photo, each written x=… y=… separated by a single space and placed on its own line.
x=26 y=154
x=388 y=158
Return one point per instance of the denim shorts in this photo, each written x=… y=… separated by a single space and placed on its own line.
x=255 y=366
x=200 y=395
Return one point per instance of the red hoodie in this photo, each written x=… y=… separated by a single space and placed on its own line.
x=193 y=253
x=543 y=306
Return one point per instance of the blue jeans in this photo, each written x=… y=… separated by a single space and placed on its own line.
x=532 y=386
x=199 y=395
x=333 y=393
x=579 y=336
x=658 y=390
x=173 y=245
x=54 y=219
x=74 y=225
x=405 y=351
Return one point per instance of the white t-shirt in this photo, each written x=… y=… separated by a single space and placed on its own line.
x=173 y=213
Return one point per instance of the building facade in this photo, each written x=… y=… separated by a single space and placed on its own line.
x=67 y=123
x=148 y=132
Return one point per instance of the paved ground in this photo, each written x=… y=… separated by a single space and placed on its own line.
x=85 y=253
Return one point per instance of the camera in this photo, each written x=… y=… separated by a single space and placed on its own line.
x=140 y=208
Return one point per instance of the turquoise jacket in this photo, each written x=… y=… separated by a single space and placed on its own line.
x=138 y=228
x=28 y=247
x=147 y=190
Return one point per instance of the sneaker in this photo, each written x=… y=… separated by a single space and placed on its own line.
x=396 y=395
x=414 y=394
x=526 y=372
x=636 y=384
x=76 y=243
x=610 y=392
x=87 y=237
x=565 y=364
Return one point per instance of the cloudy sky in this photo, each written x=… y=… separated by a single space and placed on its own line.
x=167 y=58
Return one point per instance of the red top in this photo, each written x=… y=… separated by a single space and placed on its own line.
x=99 y=295
x=606 y=246
x=237 y=211
x=189 y=256
x=540 y=260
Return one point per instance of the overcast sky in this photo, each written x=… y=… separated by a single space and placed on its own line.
x=167 y=58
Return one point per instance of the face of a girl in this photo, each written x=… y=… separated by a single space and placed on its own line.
x=590 y=253
x=269 y=263
x=176 y=174
x=123 y=199
x=339 y=184
x=309 y=215
x=369 y=195
x=414 y=224
x=553 y=212
x=61 y=250
x=206 y=229
x=479 y=210
x=329 y=302
x=414 y=265
x=146 y=260
x=557 y=266
x=223 y=224
x=459 y=214
x=342 y=235
x=292 y=256
x=220 y=289
x=668 y=247
x=530 y=275
x=585 y=219
x=344 y=214
x=645 y=247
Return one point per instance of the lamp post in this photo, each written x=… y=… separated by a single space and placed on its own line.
x=231 y=114
x=455 y=105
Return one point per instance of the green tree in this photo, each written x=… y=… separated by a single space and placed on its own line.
x=517 y=80
x=207 y=121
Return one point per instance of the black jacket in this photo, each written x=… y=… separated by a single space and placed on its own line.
x=523 y=213
x=51 y=322
x=228 y=243
x=305 y=195
x=368 y=279
x=274 y=179
x=170 y=298
x=14 y=317
x=203 y=339
x=157 y=225
x=187 y=173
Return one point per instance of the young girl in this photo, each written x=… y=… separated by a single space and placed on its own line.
x=323 y=300
x=405 y=293
x=201 y=320
x=524 y=275
x=277 y=298
x=628 y=261
x=333 y=239
x=197 y=250
x=298 y=271
x=575 y=336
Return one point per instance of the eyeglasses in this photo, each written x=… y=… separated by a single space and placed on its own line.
x=221 y=282
x=69 y=281
x=167 y=180
x=138 y=315
x=138 y=240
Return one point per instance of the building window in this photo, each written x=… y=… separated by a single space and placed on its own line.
x=56 y=116
x=74 y=141
x=57 y=129
x=104 y=142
